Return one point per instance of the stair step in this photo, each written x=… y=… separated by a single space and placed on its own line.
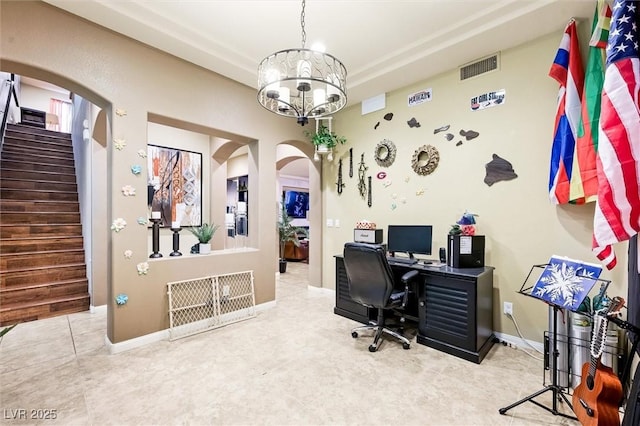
x=37 y=292
x=36 y=194
x=42 y=185
x=36 y=157
x=31 y=244
x=59 y=145
x=30 y=131
x=57 y=176
x=21 y=164
x=20 y=261
x=22 y=312
x=38 y=206
x=50 y=230
x=39 y=218
x=29 y=151
x=40 y=275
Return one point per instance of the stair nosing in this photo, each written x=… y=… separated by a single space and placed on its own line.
x=39 y=285
x=7 y=307
x=39 y=268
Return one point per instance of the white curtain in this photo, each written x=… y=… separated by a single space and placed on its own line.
x=63 y=110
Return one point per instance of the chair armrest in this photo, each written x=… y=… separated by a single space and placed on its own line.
x=405 y=279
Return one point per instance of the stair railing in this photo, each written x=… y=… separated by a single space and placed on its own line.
x=11 y=94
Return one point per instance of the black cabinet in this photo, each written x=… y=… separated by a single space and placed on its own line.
x=456 y=311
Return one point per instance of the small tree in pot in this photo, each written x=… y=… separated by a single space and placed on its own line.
x=287 y=233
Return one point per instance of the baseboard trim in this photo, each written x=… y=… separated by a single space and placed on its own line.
x=519 y=341
x=158 y=336
x=98 y=309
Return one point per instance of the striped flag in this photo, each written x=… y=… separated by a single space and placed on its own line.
x=585 y=185
x=617 y=213
x=567 y=71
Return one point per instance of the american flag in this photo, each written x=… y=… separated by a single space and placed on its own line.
x=568 y=72
x=617 y=214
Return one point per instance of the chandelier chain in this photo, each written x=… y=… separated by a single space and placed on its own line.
x=304 y=33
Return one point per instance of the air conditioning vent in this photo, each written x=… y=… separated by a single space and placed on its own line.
x=479 y=67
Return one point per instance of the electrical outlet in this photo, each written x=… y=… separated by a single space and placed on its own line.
x=508 y=308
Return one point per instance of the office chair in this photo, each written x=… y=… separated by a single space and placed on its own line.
x=371 y=283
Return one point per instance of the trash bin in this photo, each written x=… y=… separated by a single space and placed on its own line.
x=579 y=341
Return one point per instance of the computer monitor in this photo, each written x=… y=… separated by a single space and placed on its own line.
x=410 y=239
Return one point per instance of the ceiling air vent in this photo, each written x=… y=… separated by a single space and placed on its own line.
x=479 y=67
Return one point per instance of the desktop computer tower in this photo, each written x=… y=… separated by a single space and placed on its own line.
x=465 y=251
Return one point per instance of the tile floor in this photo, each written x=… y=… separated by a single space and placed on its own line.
x=294 y=364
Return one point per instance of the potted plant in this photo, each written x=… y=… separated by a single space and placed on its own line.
x=325 y=140
x=287 y=232
x=204 y=234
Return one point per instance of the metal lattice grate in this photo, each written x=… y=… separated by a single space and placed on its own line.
x=206 y=303
x=479 y=67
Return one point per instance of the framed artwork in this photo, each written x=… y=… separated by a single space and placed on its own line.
x=296 y=203
x=174 y=185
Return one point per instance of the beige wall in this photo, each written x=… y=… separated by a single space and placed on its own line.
x=114 y=72
x=521 y=226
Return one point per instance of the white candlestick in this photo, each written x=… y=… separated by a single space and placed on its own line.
x=155 y=215
x=175 y=224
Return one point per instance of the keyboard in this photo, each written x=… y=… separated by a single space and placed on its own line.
x=402 y=260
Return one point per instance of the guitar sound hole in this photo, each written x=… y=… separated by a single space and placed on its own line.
x=590 y=382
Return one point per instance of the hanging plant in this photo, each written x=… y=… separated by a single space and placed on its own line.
x=325 y=137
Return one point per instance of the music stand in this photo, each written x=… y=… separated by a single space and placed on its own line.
x=559 y=393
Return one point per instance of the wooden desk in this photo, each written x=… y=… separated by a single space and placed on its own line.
x=454 y=305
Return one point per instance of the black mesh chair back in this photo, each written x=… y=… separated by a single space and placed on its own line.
x=370 y=276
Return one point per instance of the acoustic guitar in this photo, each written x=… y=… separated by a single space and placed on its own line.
x=597 y=397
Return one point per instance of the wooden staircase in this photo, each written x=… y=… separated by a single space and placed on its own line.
x=42 y=264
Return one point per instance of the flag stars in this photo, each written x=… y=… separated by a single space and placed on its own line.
x=624 y=19
x=631 y=8
x=621 y=47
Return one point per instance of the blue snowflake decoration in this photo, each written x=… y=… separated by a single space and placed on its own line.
x=565 y=282
x=136 y=169
x=142 y=220
x=122 y=299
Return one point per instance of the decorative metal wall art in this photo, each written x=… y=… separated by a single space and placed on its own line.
x=339 y=184
x=385 y=153
x=469 y=134
x=441 y=129
x=413 y=122
x=350 y=162
x=425 y=160
x=369 y=201
x=498 y=170
x=388 y=116
x=362 y=169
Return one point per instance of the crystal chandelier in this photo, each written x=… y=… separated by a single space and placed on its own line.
x=302 y=83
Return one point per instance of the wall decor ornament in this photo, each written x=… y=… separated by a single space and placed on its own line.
x=386 y=183
x=128 y=191
x=425 y=160
x=119 y=143
x=142 y=220
x=419 y=192
x=143 y=268
x=121 y=112
x=413 y=123
x=449 y=136
x=362 y=169
x=369 y=196
x=350 y=162
x=407 y=179
x=118 y=224
x=388 y=116
x=136 y=169
x=385 y=153
x=128 y=254
x=441 y=129
x=376 y=126
x=340 y=184
x=142 y=153
x=469 y=134
x=381 y=175
x=121 y=299
x=498 y=170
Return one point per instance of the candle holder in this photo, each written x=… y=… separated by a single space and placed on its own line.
x=155 y=238
x=176 y=241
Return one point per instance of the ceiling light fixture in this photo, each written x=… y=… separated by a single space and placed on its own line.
x=302 y=83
